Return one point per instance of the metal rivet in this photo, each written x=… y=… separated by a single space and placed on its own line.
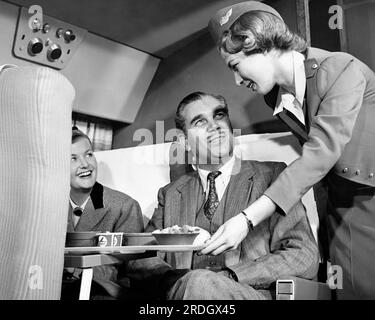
x=358 y=172
x=371 y=175
x=314 y=66
x=345 y=170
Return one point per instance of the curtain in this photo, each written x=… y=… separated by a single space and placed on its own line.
x=99 y=134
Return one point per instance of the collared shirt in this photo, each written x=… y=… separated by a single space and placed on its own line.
x=74 y=206
x=293 y=101
x=222 y=181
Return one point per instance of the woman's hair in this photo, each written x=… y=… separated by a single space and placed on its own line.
x=259 y=32
x=78 y=134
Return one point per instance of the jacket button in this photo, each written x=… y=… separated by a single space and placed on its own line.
x=358 y=172
x=314 y=66
x=345 y=170
x=371 y=175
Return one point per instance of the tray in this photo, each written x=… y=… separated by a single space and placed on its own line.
x=133 y=249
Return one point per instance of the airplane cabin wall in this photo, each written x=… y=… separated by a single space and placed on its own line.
x=110 y=78
x=360 y=30
x=198 y=67
x=119 y=83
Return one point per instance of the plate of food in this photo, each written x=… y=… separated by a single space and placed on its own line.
x=184 y=235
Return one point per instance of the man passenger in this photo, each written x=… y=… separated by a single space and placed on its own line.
x=221 y=187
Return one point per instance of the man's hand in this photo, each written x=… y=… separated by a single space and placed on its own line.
x=228 y=236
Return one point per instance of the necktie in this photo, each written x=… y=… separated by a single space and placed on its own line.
x=213 y=200
x=296 y=126
x=77 y=212
x=287 y=117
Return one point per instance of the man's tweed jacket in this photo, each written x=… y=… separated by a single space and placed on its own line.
x=279 y=246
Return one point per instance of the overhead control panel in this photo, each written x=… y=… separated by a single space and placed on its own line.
x=45 y=40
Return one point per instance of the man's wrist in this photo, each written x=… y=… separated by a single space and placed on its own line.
x=250 y=224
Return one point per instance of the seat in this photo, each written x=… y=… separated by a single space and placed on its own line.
x=35 y=142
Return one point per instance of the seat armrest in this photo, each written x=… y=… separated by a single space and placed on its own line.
x=294 y=288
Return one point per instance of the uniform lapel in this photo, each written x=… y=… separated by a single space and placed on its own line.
x=90 y=217
x=70 y=227
x=94 y=210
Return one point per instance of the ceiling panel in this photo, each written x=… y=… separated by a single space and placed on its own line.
x=153 y=26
